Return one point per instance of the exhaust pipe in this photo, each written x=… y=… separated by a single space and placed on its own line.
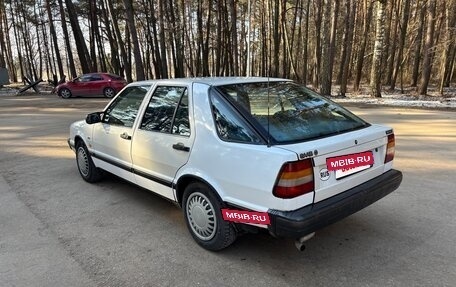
x=299 y=243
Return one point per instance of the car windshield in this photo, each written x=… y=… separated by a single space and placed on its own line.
x=288 y=112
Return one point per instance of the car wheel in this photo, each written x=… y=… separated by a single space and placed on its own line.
x=109 y=92
x=86 y=167
x=203 y=216
x=65 y=93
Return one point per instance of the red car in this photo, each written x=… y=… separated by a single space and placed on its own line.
x=92 y=84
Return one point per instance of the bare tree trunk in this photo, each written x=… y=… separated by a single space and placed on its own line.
x=177 y=39
x=452 y=74
x=156 y=45
x=81 y=46
x=428 y=49
x=402 y=36
x=449 y=46
x=318 y=8
x=38 y=42
x=48 y=62
x=114 y=61
x=325 y=72
x=264 y=63
x=18 y=43
x=305 y=48
x=7 y=49
x=66 y=37
x=362 y=49
x=139 y=68
x=234 y=40
x=347 y=47
x=417 y=52
x=54 y=39
x=375 y=81
x=123 y=52
x=163 y=63
x=93 y=30
x=27 y=43
x=218 y=36
x=332 y=51
x=2 y=37
x=389 y=54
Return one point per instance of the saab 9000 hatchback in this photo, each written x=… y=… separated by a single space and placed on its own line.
x=240 y=154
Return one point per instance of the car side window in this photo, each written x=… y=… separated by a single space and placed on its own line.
x=96 y=77
x=124 y=109
x=229 y=124
x=181 y=123
x=85 y=78
x=167 y=111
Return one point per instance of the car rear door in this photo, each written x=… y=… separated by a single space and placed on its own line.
x=96 y=85
x=164 y=138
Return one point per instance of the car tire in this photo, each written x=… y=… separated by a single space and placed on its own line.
x=203 y=216
x=109 y=92
x=65 y=93
x=87 y=169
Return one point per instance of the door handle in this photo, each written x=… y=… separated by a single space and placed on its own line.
x=181 y=146
x=125 y=136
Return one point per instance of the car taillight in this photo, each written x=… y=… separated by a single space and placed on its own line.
x=295 y=179
x=390 y=148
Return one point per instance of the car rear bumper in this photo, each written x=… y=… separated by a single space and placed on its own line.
x=300 y=222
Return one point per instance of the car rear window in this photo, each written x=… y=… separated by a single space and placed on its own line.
x=287 y=112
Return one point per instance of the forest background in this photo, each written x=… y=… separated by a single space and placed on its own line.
x=394 y=44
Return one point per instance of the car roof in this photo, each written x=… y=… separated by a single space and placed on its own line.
x=211 y=81
x=99 y=73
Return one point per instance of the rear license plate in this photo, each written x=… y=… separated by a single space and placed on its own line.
x=349 y=164
x=340 y=173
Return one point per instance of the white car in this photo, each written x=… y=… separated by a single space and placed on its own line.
x=240 y=154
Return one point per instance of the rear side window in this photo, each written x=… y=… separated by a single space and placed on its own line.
x=167 y=111
x=287 y=113
x=96 y=77
x=114 y=77
x=229 y=124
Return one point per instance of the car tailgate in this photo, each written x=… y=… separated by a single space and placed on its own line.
x=372 y=139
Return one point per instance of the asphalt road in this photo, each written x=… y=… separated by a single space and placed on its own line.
x=57 y=230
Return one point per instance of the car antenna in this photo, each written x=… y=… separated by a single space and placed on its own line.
x=268 y=86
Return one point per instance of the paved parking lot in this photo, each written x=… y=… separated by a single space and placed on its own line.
x=57 y=230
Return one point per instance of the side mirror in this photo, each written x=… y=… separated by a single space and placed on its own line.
x=93 y=118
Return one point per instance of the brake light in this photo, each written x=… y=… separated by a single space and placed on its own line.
x=295 y=179
x=390 y=148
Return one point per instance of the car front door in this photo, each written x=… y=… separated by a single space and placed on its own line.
x=80 y=86
x=111 y=139
x=164 y=139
